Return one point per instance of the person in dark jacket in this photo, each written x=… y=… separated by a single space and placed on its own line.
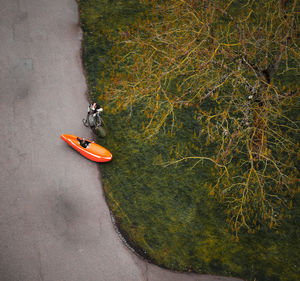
x=94 y=108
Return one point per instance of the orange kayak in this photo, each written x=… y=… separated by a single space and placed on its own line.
x=88 y=149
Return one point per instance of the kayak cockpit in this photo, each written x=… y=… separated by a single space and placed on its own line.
x=83 y=142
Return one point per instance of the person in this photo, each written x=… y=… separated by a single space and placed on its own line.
x=94 y=108
x=83 y=142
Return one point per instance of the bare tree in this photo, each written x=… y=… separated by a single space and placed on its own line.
x=231 y=63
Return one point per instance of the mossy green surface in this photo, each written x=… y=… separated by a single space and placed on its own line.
x=167 y=210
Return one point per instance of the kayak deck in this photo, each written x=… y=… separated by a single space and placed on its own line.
x=92 y=151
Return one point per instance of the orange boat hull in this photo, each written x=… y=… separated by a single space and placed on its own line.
x=94 y=152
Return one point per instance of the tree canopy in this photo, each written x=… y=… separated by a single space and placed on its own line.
x=235 y=63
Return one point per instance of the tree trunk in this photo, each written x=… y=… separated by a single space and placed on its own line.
x=260 y=121
x=259 y=141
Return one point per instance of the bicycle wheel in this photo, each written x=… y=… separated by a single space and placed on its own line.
x=85 y=122
x=101 y=131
